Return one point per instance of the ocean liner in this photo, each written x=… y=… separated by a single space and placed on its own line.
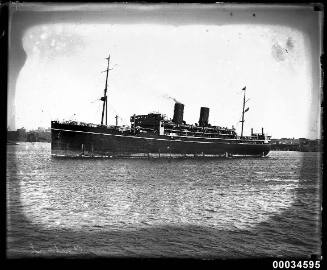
x=154 y=135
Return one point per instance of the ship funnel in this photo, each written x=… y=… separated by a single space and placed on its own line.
x=178 y=113
x=204 y=117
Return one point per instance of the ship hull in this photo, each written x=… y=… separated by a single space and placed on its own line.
x=74 y=140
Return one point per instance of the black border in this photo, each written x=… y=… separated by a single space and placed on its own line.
x=262 y=263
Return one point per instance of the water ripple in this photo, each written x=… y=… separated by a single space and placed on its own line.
x=225 y=195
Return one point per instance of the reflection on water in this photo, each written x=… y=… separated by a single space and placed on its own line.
x=230 y=195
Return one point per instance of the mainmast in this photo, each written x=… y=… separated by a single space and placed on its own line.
x=243 y=111
x=104 y=98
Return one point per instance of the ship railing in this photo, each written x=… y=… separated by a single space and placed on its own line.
x=190 y=132
x=70 y=122
x=145 y=129
x=201 y=134
x=251 y=139
x=88 y=124
x=169 y=124
x=123 y=128
x=199 y=129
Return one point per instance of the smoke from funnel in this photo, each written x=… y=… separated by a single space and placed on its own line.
x=169 y=97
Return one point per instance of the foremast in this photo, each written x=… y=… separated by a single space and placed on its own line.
x=105 y=98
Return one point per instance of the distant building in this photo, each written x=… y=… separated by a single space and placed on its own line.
x=32 y=136
x=41 y=129
x=21 y=134
x=12 y=136
x=310 y=145
x=292 y=144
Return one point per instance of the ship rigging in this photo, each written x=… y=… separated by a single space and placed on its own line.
x=243 y=110
x=105 y=98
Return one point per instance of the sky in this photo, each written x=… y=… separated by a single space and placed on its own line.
x=198 y=61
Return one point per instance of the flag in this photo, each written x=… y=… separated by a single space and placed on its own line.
x=244 y=88
x=246 y=109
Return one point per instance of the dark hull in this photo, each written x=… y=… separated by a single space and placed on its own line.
x=75 y=140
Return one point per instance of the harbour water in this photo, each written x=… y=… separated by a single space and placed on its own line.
x=189 y=208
